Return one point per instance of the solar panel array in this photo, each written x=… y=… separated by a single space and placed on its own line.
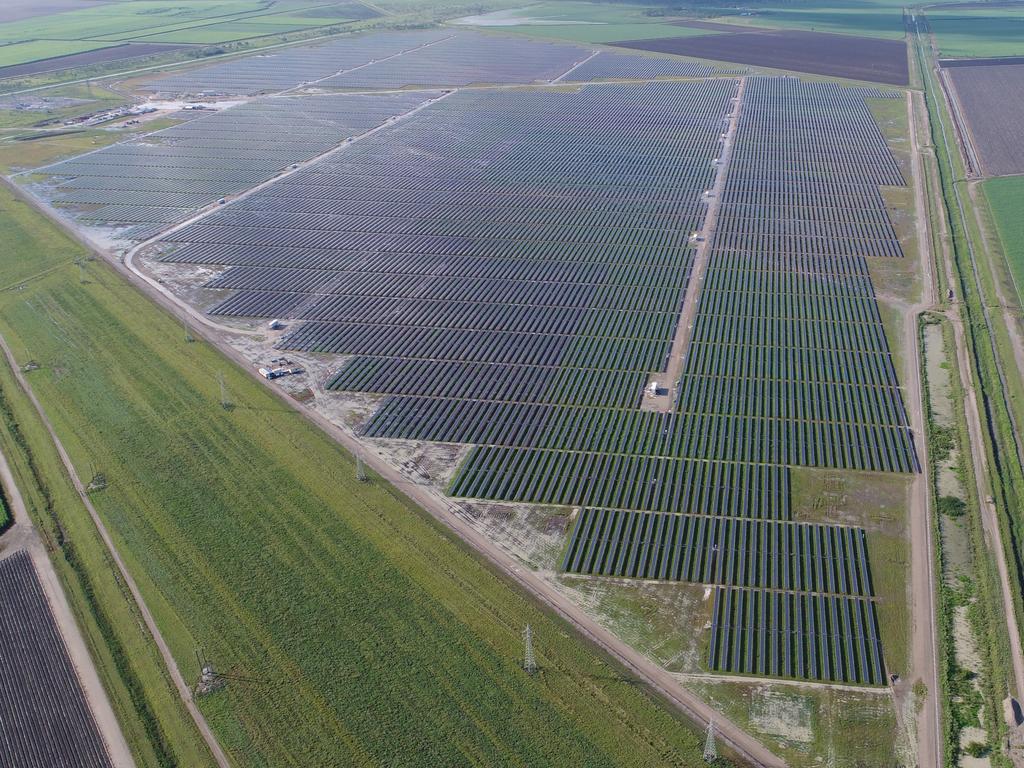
x=465 y=58
x=615 y=66
x=594 y=192
x=775 y=554
x=284 y=68
x=150 y=183
x=788 y=345
x=794 y=634
x=45 y=719
x=508 y=269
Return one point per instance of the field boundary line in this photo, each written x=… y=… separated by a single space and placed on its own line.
x=184 y=691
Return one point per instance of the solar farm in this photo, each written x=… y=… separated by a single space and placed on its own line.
x=510 y=270
x=423 y=58
x=44 y=717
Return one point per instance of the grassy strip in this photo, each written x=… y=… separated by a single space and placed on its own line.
x=979 y=593
x=369 y=635
x=156 y=727
x=1005 y=476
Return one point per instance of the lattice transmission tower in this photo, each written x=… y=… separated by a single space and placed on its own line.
x=710 y=747
x=529 y=661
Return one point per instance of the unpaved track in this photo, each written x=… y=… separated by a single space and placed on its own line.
x=179 y=682
x=23 y=536
x=439 y=506
x=687 y=316
x=924 y=639
x=978 y=450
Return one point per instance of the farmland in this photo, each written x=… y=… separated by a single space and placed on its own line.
x=326 y=566
x=44 y=717
x=992 y=98
x=978 y=31
x=866 y=18
x=856 y=58
x=78 y=55
x=575 y=21
x=1006 y=199
x=151 y=23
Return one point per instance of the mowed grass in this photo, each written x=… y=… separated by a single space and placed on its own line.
x=1006 y=199
x=368 y=635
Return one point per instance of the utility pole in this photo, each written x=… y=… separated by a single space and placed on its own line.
x=360 y=469
x=710 y=748
x=529 y=662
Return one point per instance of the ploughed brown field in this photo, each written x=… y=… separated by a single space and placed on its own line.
x=856 y=58
x=992 y=102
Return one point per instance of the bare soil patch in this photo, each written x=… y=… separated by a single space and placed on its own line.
x=992 y=102
x=855 y=58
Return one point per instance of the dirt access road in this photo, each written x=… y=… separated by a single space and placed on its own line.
x=684 y=329
x=924 y=639
x=23 y=536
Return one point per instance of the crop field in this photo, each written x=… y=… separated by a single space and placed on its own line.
x=1006 y=199
x=142 y=186
x=574 y=21
x=153 y=26
x=978 y=30
x=44 y=717
x=92 y=54
x=784 y=634
x=530 y=254
x=992 y=100
x=856 y=58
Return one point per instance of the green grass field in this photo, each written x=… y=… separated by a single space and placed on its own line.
x=36 y=50
x=982 y=33
x=1006 y=199
x=871 y=18
x=584 y=22
x=370 y=636
x=202 y=22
